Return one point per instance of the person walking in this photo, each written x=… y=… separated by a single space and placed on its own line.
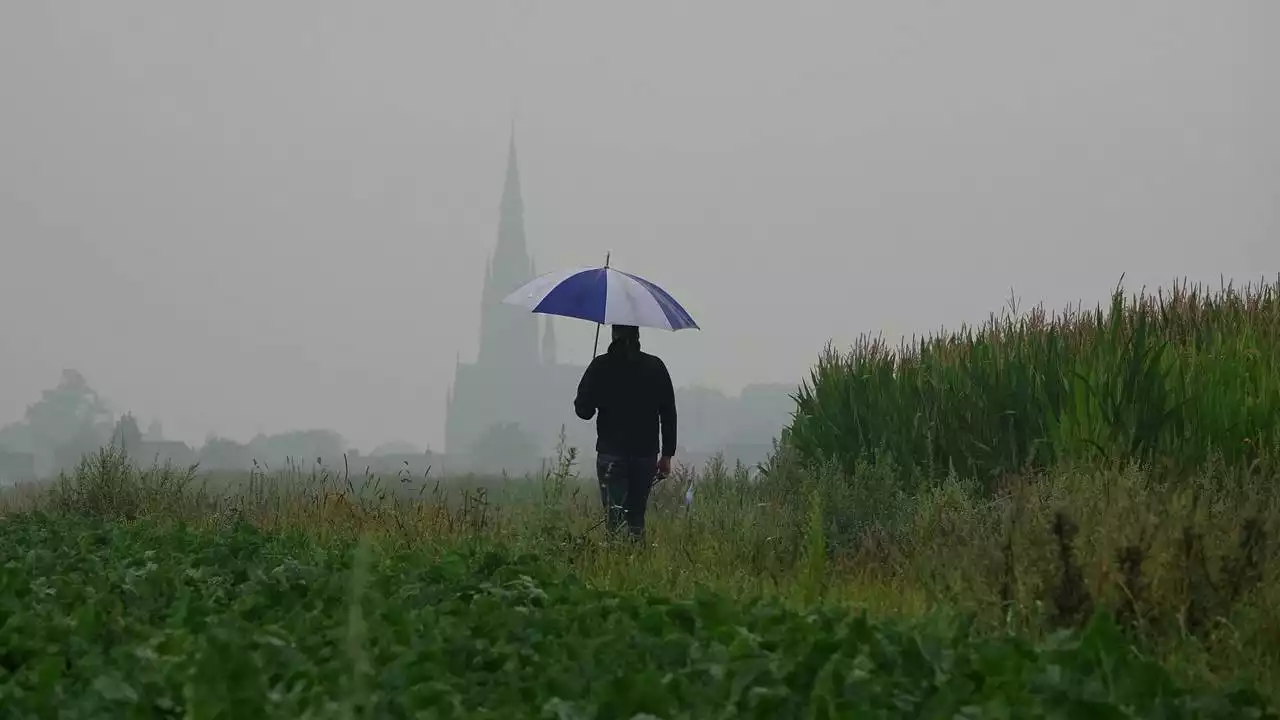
x=632 y=392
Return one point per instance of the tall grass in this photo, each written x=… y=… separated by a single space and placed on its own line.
x=1121 y=462
x=1188 y=568
x=1170 y=381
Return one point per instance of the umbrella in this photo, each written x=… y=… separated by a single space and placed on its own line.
x=603 y=295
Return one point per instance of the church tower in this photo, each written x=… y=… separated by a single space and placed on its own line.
x=508 y=334
x=516 y=377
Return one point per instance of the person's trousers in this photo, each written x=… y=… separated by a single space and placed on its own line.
x=625 y=483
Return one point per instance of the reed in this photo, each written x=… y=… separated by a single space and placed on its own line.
x=1170 y=381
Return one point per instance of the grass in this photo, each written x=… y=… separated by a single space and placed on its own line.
x=1174 y=381
x=149 y=619
x=1074 y=517
x=1164 y=587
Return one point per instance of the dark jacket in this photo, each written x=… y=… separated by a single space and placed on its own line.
x=632 y=394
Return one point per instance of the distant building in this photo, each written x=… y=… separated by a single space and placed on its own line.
x=516 y=378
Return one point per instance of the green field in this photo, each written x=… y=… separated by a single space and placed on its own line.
x=1063 y=517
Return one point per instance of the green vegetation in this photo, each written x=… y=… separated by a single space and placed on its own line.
x=155 y=620
x=1175 y=381
x=128 y=583
x=890 y=561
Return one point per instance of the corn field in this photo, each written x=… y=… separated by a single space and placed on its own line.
x=1174 y=381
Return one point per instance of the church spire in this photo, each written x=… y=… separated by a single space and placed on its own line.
x=508 y=336
x=511 y=218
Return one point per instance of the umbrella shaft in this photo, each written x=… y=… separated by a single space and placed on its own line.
x=595 y=349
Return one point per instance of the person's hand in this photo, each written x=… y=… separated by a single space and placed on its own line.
x=664 y=466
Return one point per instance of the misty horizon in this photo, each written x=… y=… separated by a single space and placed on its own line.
x=241 y=219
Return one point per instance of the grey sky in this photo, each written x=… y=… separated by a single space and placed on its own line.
x=244 y=216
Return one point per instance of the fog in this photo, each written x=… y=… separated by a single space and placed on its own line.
x=244 y=217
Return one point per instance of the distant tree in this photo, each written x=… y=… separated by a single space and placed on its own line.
x=16 y=466
x=68 y=421
x=16 y=437
x=89 y=440
x=220 y=453
x=63 y=411
x=303 y=447
x=155 y=432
